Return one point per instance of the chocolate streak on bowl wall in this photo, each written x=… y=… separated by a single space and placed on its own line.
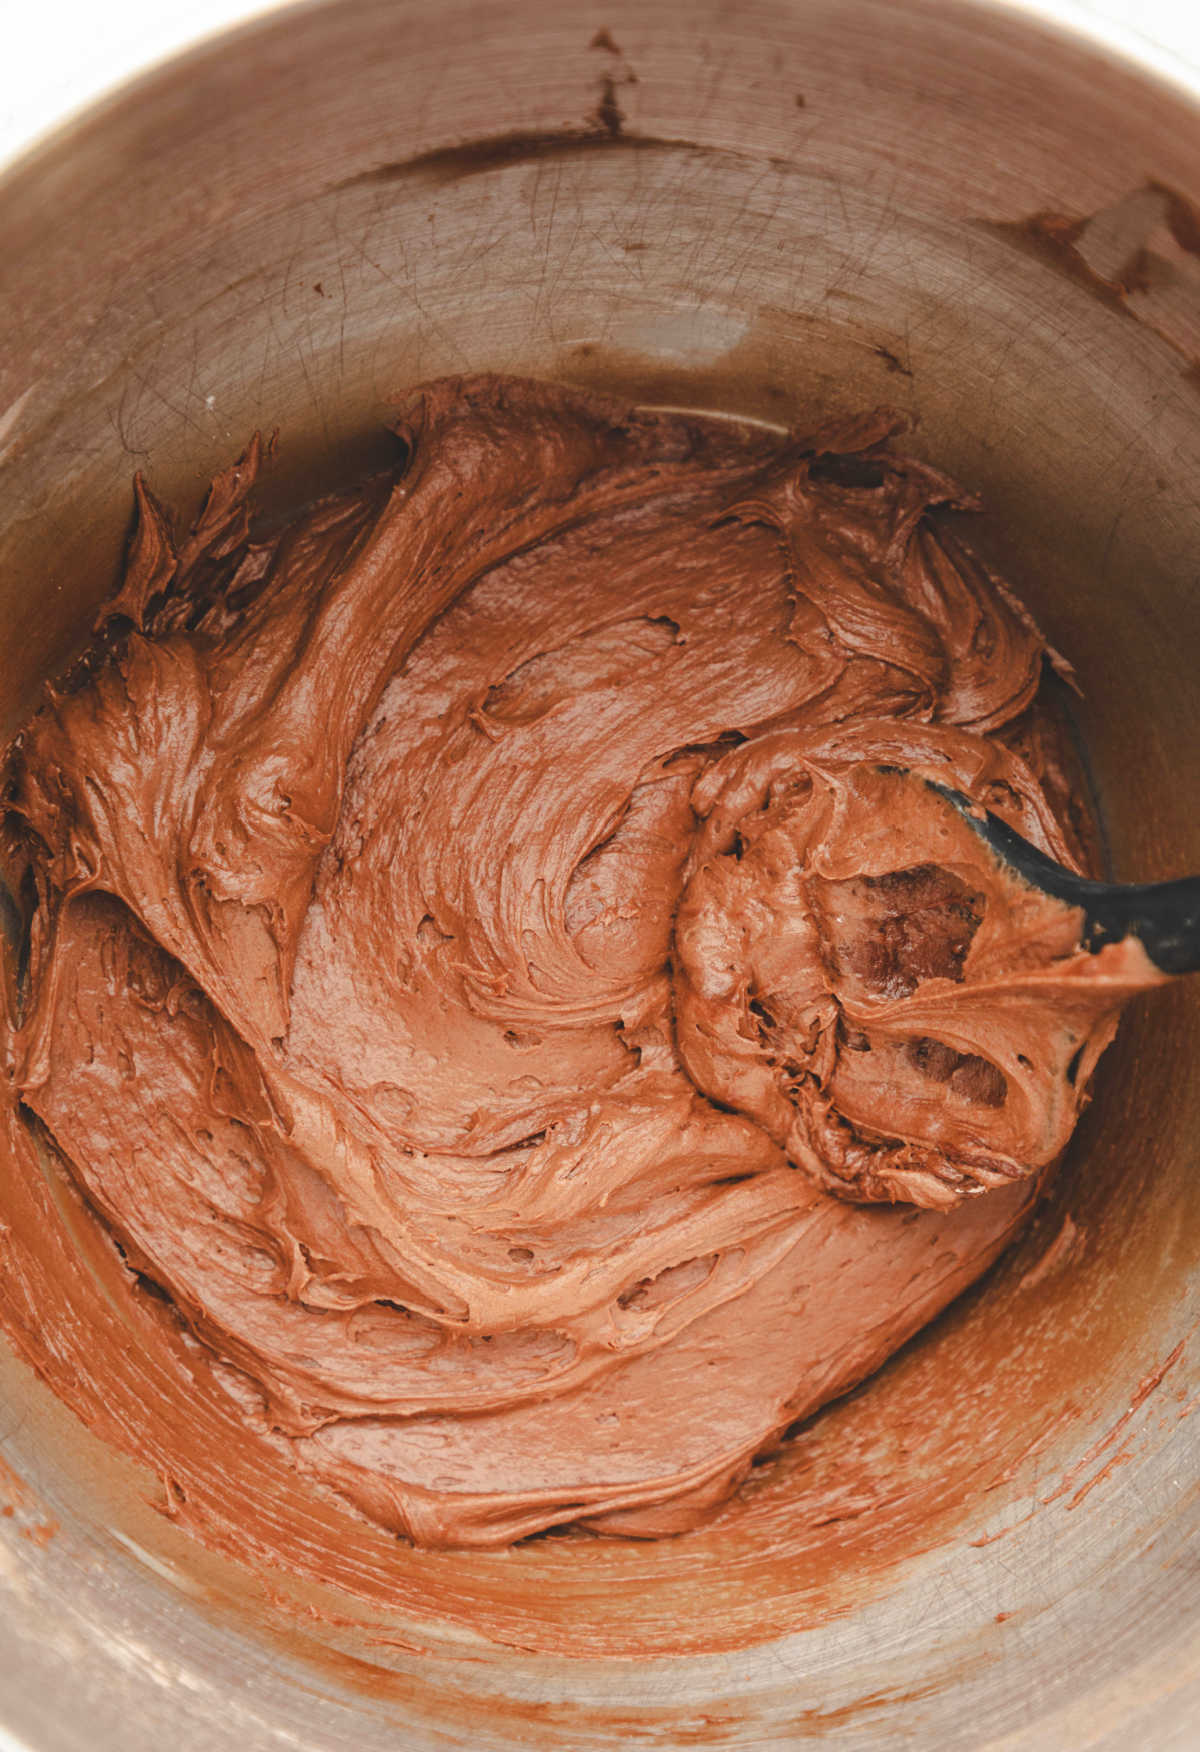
x=153 y=262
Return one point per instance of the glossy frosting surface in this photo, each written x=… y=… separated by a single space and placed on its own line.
x=495 y=967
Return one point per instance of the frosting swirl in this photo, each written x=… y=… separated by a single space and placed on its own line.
x=478 y=925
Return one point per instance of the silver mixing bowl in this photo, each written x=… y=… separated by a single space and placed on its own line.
x=764 y=208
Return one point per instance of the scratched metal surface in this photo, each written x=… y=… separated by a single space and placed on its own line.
x=758 y=209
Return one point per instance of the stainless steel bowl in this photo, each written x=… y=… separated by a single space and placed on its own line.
x=761 y=208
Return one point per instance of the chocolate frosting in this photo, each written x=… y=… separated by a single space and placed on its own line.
x=476 y=927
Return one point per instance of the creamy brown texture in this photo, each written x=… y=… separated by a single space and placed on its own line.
x=474 y=926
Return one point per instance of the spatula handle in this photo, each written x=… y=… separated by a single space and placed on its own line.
x=1163 y=916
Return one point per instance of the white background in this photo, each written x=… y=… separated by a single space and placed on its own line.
x=57 y=55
